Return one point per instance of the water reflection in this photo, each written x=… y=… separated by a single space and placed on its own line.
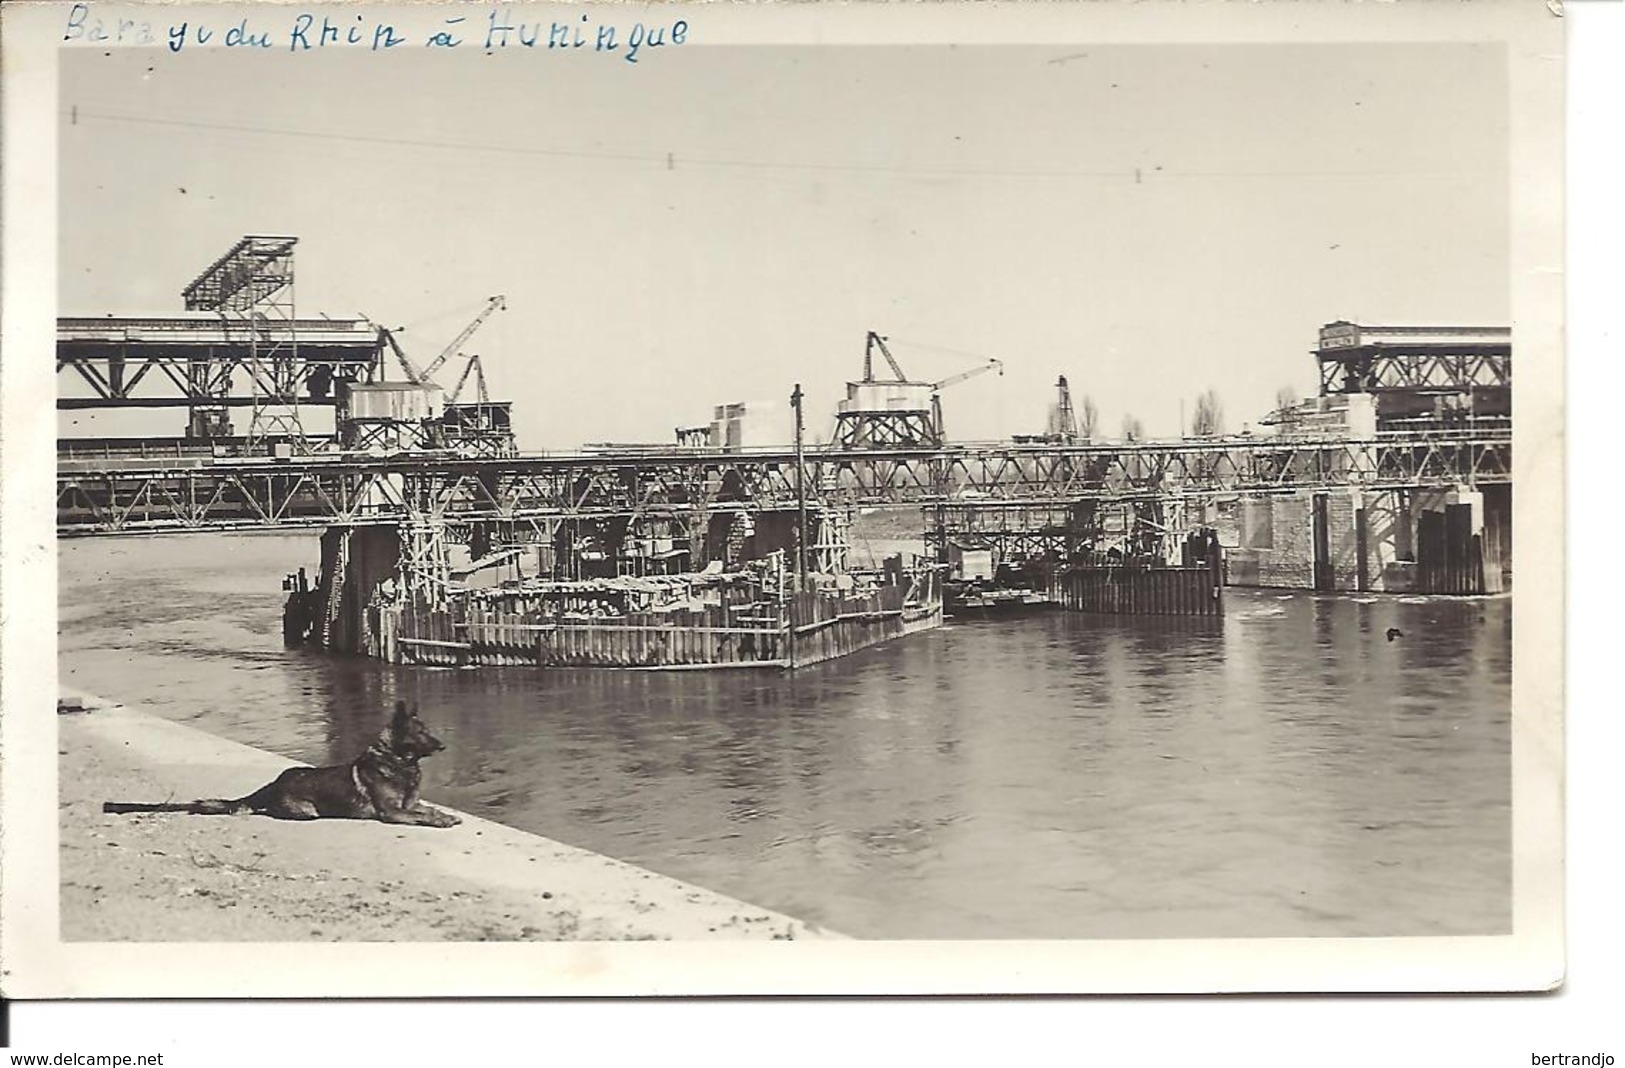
x=1284 y=771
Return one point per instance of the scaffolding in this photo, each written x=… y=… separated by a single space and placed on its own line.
x=251 y=288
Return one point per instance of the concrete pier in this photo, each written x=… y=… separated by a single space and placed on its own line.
x=1446 y=540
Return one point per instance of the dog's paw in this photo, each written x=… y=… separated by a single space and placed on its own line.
x=444 y=819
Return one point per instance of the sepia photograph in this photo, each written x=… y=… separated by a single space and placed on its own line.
x=596 y=475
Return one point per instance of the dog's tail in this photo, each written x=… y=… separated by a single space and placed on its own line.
x=208 y=806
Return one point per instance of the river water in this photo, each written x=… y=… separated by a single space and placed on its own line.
x=1286 y=771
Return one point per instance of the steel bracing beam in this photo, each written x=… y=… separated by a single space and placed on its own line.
x=1018 y=530
x=244 y=275
x=186 y=493
x=188 y=361
x=1378 y=370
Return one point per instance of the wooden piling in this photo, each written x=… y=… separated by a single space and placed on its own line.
x=1164 y=591
x=1450 y=558
x=740 y=629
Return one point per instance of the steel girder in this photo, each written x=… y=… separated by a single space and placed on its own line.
x=1014 y=528
x=100 y=496
x=1379 y=370
x=241 y=278
x=188 y=378
x=156 y=362
x=886 y=430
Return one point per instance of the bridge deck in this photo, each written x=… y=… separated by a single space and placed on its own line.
x=208 y=360
x=206 y=329
x=141 y=494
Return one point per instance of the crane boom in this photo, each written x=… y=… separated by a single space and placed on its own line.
x=876 y=341
x=938 y=387
x=473 y=365
x=496 y=303
x=412 y=373
x=954 y=380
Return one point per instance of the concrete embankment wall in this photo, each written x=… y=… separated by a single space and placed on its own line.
x=179 y=877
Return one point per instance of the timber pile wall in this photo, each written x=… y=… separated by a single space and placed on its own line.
x=806 y=629
x=825 y=628
x=1450 y=558
x=710 y=637
x=1125 y=591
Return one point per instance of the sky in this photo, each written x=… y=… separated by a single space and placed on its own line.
x=716 y=225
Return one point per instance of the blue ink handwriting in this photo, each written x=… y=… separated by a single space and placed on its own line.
x=502 y=33
x=122 y=31
x=381 y=36
x=309 y=31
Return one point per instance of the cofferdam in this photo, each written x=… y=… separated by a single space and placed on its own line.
x=1285 y=771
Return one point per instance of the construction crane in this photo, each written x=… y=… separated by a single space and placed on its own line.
x=1062 y=428
x=495 y=304
x=482 y=427
x=412 y=373
x=480 y=394
x=953 y=380
x=875 y=341
x=898 y=412
x=1064 y=420
x=424 y=376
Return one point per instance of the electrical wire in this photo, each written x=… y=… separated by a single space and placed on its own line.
x=666 y=160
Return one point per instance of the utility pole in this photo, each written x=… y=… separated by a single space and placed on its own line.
x=801 y=496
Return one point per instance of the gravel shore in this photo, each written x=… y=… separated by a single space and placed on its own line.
x=177 y=877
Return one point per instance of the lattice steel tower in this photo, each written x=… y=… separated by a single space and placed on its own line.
x=251 y=288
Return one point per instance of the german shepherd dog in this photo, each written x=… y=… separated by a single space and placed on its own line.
x=380 y=784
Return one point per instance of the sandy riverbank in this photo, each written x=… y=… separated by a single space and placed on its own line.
x=177 y=877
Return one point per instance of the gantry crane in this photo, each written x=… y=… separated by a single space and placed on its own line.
x=896 y=412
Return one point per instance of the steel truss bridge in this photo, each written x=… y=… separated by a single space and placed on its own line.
x=200 y=359
x=145 y=495
x=1413 y=359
